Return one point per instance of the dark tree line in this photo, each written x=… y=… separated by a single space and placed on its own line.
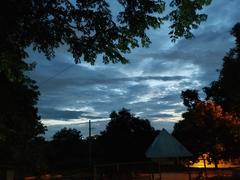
x=67 y=150
x=21 y=132
x=212 y=125
x=125 y=139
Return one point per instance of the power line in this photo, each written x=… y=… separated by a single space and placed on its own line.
x=55 y=75
x=85 y=122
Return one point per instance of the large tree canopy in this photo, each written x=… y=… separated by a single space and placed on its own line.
x=89 y=28
x=126 y=137
x=20 y=126
x=207 y=129
x=66 y=149
x=214 y=123
x=226 y=90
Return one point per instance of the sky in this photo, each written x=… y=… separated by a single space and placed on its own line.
x=149 y=86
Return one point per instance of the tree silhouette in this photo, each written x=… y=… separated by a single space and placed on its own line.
x=190 y=98
x=206 y=129
x=67 y=135
x=226 y=90
x=20 y=125
x=126 y=137
x=88 y=28
x=215 y=122
x=67 y=148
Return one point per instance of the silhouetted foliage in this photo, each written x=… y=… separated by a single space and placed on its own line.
x=20 y=126
x=67 y=148
x=126 y=137
x=226 y=90
x=190 y=98
x=67 y=135
x=206 y=129
x=214 y=126
x=88 y=28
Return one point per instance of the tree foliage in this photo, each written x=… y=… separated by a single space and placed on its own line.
x=66 y=149
x=20 y=126
x=67 y=135
x=207 y=129
x=190 y=98
x=226 y=90
x=214 y=123
x=126 y=137
x=88 y=28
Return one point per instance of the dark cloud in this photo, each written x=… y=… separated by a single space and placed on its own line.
x=50 y=113
x=161 y=115
x=150 y=85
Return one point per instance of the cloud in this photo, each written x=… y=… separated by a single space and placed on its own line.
x=83 y=126
x=150 y=85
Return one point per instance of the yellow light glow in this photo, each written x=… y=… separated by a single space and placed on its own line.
x=222 y=164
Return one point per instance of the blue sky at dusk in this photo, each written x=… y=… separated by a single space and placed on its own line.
x=150 y=85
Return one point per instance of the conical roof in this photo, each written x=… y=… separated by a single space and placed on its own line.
x=166 y=146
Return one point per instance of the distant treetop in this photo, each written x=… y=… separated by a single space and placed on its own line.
x=67 y=134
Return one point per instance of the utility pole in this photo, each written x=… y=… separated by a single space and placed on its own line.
x=90 y=142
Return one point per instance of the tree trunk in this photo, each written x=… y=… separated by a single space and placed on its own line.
x=216 y=163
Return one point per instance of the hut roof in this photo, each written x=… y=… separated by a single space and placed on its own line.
x=166 y=146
